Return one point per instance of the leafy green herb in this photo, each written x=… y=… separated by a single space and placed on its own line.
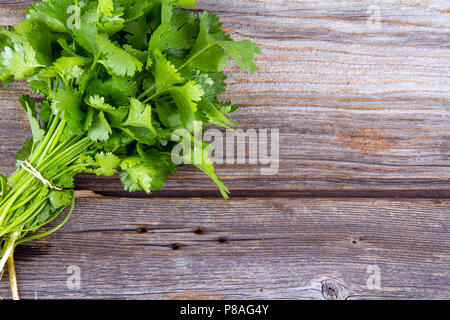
x=117 y=79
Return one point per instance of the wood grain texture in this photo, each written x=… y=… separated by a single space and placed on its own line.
x=360 y=111
x=363 y=113
x=248 y=248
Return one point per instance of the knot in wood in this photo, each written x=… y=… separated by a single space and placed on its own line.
x=333 y=290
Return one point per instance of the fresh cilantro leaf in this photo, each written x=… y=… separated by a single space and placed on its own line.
x=168 y=114
x=112 y=25
x=67 y=103
x=70 y=67
x=106 y=163
x=142 y=56
x=205 y=54
x=134 y=9
x=142 y=135
x=19 y=58
x=115 y=90
x=39 y=38
x=177 y=30
x=29 y=106
x=199 y=157
x=60 y=199
x=25 y=152
x=106 y=7
x=243 y=52
x=53 y=14
x=5 y=75
x=100 y=129
x=86 y=35
x=98 y=102
x=186 y=98
x=116 y=59
x=212 y=115
x=146 y=173
x=140 y=115
x=137 y=33
x=165 y=73
x=213 y=83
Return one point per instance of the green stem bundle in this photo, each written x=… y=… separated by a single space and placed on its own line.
x=116 y=88
x=22 y=206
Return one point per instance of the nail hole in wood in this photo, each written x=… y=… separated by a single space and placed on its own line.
x=175 y=246
x=142 y=229
x=199 y=230
x=222 y=240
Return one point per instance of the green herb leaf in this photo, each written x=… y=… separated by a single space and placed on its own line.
x=117 y=60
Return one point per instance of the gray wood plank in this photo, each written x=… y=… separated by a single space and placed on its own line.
x=360 y=112
x=248 y=249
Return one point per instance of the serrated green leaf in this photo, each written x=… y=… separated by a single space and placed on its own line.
x=67 y=103
x=186 y=98
x=200 y=159
x=70 y=67
x=25 y=152
x=243 y=52
x=165 y=73
x=137 y=33
x=112 y=25
x=140 y=115
x=29 y=106
x=106 y=163
x=212 y=115
x=100 y=129
x=20 y=58
x=99 y=103
x=60 y=199
x=116 y=59
x=53 y=14
x=86 y=35
x=177 y=30
x=106 y=7
x=146 y=172
x=39 y=38
x=206 y=55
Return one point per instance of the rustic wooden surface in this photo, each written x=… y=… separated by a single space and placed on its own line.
x=363 y=182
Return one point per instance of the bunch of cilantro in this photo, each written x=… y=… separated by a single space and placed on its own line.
x=117 y=80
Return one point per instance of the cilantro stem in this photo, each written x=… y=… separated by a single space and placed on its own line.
x=8 y=249
x=150 y=89
x=28 y=197
x=146 y=92
x=155 y=95
x=13 y=277
x=195 y=56
x=44 y=234
x=43 y=144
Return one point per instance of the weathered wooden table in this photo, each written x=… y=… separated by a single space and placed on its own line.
x=360 y=206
